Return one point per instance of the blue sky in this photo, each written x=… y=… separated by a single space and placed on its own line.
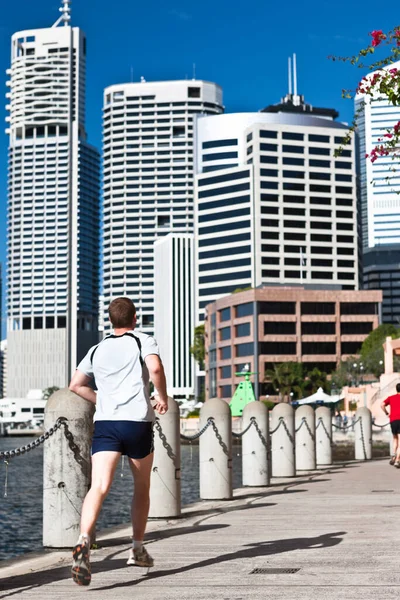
x=243 y=46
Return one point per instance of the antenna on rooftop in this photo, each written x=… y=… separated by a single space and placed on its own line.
x=65 y=11
x=194 y=71
x=294 y=75
x=290 y=75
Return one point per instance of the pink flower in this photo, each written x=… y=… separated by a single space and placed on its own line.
x=389 y=135
x=377 y=37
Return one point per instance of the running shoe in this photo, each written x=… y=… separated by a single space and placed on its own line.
x=397 y=464
x=140 y=557
x=392 y=460
x=81 y=572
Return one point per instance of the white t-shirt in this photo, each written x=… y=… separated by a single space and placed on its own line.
x=122 y=383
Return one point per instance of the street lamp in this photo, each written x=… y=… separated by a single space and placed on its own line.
x=291 y=397
x=362 y=371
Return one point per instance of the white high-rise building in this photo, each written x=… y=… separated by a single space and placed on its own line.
x=379 y=181
x=174 y=310
x=148 y=180
x=273 y=204
x=53 y=209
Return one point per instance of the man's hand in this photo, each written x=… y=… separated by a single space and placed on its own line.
x=161 y=406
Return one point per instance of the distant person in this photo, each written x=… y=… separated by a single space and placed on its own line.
x=121 y=366
x=353 y=421
x=338 y=420
x=394 y=403
x=345 y=421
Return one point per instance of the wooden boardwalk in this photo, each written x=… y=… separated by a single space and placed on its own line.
x=339 y=527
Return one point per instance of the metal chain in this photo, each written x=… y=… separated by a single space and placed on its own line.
x=164 y=440
x=291 y=438
x=362 y=437
x=321 y=422
x=303 y=420
x=35 y=444
x=260 y=434
x=191 y=438
x=312 y=436
x=241 y=434
x=381 y=426
x=281 y=420
x=219 y=437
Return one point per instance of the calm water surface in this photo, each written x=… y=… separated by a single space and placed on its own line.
x=21 y=510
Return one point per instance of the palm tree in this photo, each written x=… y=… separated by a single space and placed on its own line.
x=287 y=378
x=315 y=379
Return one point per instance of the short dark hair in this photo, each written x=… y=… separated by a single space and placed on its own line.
x=121 y=311
x=398 y=388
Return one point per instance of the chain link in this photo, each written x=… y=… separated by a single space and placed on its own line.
x=241 y=434
x=312 y=436
x=381 y=426
x=260 y=433
x=291 y=438
x=321 y=422
x=362 y=437
x=300 y=426
x=277 y=427
x=191 y=438
x=5 y=455
x=219 y=437
x=164 y=440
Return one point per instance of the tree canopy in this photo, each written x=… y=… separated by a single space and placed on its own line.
x=197 y=349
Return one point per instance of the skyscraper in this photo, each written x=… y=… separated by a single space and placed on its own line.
x=174 y=310
x=273 y=204
x=379 y=181
x=148 y=179
x=53 y=209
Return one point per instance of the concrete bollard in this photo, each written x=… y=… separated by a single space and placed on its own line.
x=323 y=436
x=255 y=445
x=215 y=451
x=305 y=438
x=66 y=467
x=165 y=488
x=282 y=441
x=363 y=434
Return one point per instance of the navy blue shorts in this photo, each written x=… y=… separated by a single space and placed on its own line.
x=133 y=438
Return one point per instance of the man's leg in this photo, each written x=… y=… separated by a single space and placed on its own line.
x=103 y=469
x=141 y=470
x=396 y=447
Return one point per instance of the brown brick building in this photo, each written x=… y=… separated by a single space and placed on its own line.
x=265 y=326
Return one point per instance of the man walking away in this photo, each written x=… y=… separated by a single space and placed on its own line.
x=121 y=365
x=394 y=403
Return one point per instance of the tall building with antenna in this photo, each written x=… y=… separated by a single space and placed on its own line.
x=148 y=179
x=273 y=205
x=53 y=209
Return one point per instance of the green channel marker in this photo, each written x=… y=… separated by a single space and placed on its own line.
x=243 y=395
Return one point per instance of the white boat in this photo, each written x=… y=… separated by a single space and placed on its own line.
x=22 y=416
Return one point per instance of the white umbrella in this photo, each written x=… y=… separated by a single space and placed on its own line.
x=320 y=397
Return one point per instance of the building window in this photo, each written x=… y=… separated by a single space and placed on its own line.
x=277 y=308
x=318 y=348
x=268 y=147
x=244 y=310
x=219 y=143
x=194 y=92
x=317 y=328
x=178 y=131
x=225 y=372
x=61 y=322
x=317 y=308
x=356 y=328
x=225 y=391
x=323 y=139
x=288 y=135
x=26 y=323
x=38 y=322
x=163 y=220
x=268 y=134
x=242 y=330
x=225 y=353
x=225 y=314
x=279 y=328
x=350 y=348
x=294 y=149
x=244 y=349
x=225 y=334
x=278 y=348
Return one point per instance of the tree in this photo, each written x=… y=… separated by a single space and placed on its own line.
x=285 y=378
x=315 y=379
x=371 y=354
x=384 y=82
x=47 y=392
x=197 y=349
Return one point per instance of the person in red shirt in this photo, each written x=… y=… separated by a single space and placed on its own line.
x=394 y=414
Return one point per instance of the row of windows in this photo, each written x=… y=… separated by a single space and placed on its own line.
x=306 y=308
x=288 y=135
x=299 y=187
x=300 y=162
x=266 y=147
x=285 y=348
x=302 y=175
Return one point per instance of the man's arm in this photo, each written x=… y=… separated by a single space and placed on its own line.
x=79 y=385
x=384 y=407
x=157 y=376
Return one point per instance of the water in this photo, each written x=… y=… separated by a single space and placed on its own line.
x=21 y=511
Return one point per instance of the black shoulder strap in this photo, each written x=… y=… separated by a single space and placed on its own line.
x=137 y=340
